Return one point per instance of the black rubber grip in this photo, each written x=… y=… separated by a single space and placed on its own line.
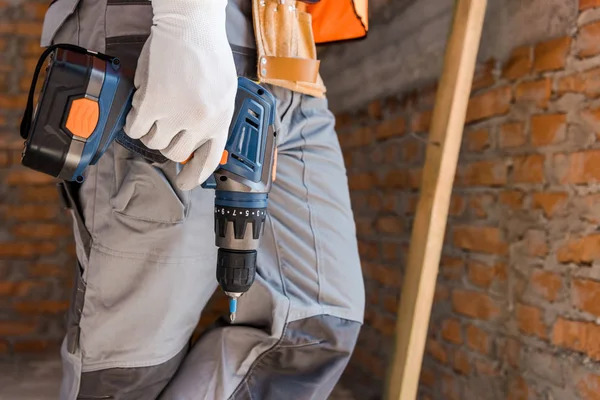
x=236 y=270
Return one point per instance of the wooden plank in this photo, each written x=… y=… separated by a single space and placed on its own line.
x=436 y=188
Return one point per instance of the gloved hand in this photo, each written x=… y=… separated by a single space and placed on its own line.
x=186 y=84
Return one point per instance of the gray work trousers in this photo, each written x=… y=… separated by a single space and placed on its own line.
x=147 y=258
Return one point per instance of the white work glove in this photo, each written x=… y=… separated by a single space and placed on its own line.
x=186 y=84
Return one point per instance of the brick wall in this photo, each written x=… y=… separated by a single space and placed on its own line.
x=517 y=302
x=36 y=251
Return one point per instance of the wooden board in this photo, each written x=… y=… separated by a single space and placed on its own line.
x=436 y=188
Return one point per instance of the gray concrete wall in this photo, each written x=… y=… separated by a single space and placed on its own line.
x=406 y=42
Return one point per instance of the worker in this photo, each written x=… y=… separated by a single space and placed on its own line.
x=148 y=268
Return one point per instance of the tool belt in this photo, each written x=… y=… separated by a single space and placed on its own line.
x=286 y=50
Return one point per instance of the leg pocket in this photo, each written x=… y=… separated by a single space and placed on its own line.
x=60 y=16
x=145 y=192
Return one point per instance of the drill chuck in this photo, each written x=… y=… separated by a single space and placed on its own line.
x=236 y=270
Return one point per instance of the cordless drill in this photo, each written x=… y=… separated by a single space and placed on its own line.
x=242 y=184
x=81 y=110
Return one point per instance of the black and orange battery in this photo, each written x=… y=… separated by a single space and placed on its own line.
x=80 y=111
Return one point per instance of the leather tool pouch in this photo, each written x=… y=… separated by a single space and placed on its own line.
x=287 y=54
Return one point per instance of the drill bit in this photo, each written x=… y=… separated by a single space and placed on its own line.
x=232 y=308
x=233 y=298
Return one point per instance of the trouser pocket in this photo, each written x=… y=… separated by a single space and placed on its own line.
x=61 y=15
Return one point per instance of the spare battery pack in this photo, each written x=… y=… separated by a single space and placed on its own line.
x=81 y=110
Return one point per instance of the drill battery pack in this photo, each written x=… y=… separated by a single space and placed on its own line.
x=81 y=110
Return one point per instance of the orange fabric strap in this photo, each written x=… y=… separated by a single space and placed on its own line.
x=289 y=69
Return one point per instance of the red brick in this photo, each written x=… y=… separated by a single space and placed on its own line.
x=41 y=194
x=342 y=120
x=481 y=204
x=41 y=231
x=519 y=64
x=390 y=303
x=478 y=140
x=489 y=104
x=437 y=350
x=529 y=320
x=485 y=367
x=548 y=129
x=483 y=173
x=588 y=387
x=484 y=75
x=390 y=128
x=551 y=55
x=585 y=4
x=592 y=117
x=17 y=328
x=528 y=169
x=35 y=11
x=550 y=202
x=451 y=268
x=474 y=305
x=512 y=135
x=411 y=152
x=426 y=95
x=535 y=241
x=31 y=47
x=30 y=212
x=578 y=336
x=587 y=40
x=587 y=82
x=441 y=293
x=48 y=270
x=395 y=179
x=478 y=339
x=512 y=199
x=364 y=226
x=368 y=250
x=421 y=122
x=3 y=158
x=461 y=362
x=485 y=239
x=457 y=205
x=482 y=275
x=451 y=331
x=357 y=138
x=583 y=250
x=518 y=390
x=390 y=225
x=41 y=307
x=25 y=249
x=389 y=251
x=19 y=288
x=375 y=109
x=27 y=177
x=13 y=102
x=580 y=167
x=3 y=347
x=22 y=28
x=536 y=92
x=362 y=181
x=11 y=142
x=384 y=324
x=512 y=352
x=585 y=295
x=31 y=346
x=427 y=378
x=374 y=202
x=546 y=284
x=451 y=388
x=414 y=178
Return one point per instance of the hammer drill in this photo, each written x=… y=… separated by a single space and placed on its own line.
x=81 y=110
